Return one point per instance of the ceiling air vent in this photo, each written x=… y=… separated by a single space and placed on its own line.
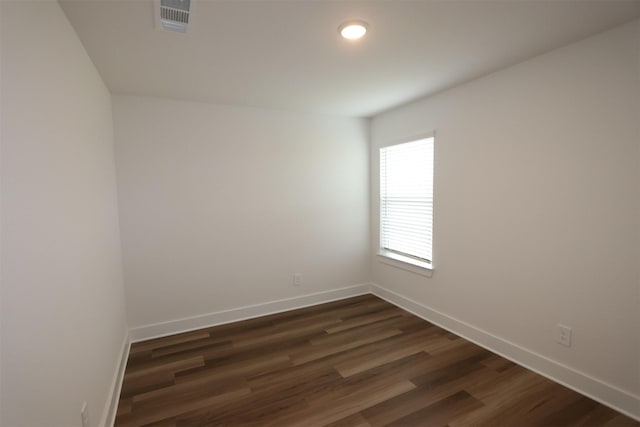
x=173 y=15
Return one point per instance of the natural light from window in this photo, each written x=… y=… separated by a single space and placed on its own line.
x=406 y=201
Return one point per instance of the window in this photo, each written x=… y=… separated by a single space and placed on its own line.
x=406 y=202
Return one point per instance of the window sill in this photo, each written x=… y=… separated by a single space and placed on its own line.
x=405 y=263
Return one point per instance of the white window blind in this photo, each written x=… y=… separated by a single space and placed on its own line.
x=406 y=199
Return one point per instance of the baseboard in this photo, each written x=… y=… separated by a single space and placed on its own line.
x=606 y=394
x=157 y=330
x=109 y=416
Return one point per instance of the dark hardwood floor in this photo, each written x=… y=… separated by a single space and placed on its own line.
x=354 y=362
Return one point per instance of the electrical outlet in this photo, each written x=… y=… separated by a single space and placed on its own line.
x=84 y=413
x=297 y=279
x=563 y=335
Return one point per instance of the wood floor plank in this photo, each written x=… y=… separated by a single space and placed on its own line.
x=165 y=341
x=338 y=335
x=423 y=395
x=276 y=399
x=237 y=370
x=272 y=336
x=143 y=417
x=355 y=420
x=331 y=408
x=439 y=413
x=132 y=387
x=178 y=394
x=157 y=367
x=366 y=319
x=402 y=346
x=497 y=363
x=357 y=362
x=321 y=349
x=190 y=346
x=534 y=403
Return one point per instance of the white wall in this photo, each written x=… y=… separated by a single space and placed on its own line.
x=536 y=204
x=63 y=315
x=220 y=206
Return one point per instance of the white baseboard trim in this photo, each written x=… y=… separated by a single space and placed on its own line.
x=187 y=324
x=109 y=413
x=597 y=390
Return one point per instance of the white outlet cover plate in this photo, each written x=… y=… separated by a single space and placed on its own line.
x=563 y=335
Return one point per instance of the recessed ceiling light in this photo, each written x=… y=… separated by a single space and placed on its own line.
x=353 y=30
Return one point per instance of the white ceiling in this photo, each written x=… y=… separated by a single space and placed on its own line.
x=288 y=54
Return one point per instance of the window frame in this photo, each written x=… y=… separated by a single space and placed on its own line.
x=392 y=258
